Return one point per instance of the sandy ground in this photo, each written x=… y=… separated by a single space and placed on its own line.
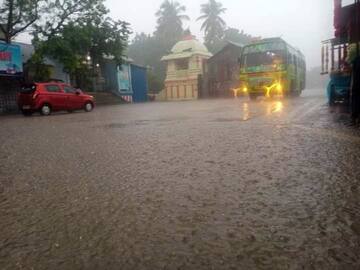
x=211 y=184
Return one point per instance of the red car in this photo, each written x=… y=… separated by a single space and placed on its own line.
x=53 y=96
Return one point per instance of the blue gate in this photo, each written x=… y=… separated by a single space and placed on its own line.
x=139 y=83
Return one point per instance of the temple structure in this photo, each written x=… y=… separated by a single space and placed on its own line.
x=184 y=65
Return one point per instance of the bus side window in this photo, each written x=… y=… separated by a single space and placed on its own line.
x=290 y=59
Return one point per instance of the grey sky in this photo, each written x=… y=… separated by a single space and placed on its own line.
x=303 y=23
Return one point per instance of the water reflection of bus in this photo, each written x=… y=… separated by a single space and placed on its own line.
x=271 y=67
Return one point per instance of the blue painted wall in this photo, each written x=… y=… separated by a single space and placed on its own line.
x=10 y=60
x=139 y=83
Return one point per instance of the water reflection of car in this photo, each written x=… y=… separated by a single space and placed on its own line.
x=53 y=96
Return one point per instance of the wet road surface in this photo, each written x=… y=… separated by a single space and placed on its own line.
x=212 y=184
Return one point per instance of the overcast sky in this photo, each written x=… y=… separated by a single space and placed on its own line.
x=303 y=23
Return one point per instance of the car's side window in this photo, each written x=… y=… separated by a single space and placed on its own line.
x=53 y=88
x=69 y=89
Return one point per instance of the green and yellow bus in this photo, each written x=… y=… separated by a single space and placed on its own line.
x=271 y=67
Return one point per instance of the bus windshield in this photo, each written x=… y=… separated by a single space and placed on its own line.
x=269 y=60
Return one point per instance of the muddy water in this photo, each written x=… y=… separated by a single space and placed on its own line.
x=218 y=184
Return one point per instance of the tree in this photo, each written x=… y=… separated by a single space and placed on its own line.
x=234 y=35
x=78 y=43
x=170 y=21
x=213 y=25
x=107 y=38
x=18 y=15
x=154 y=83
x=147 y=50
x=58 y=13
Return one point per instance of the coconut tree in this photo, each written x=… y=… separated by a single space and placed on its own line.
x=213 y=25
x=170 y=19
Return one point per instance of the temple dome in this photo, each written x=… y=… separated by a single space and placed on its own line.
x=192 y=45
x=186 y=48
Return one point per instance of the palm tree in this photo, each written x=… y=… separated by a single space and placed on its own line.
x=213 y=25
x=170 y=20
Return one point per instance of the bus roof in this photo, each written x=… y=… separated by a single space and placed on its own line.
x=275 y=39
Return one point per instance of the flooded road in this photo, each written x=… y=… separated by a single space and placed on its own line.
x=211 y=184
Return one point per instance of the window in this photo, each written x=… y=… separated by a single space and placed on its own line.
x=26 y=89
x=182 y=64
x=53 y=88
x=345 y=3
x=295 y=61
x=69 y=89
x=290 y=59
x=263 y=58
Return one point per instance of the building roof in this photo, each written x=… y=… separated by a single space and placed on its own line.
x=230 y=44
x=236 y=44
x=124 y=58
x=187 y=48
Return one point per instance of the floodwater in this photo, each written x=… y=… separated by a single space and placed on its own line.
x=210 y=184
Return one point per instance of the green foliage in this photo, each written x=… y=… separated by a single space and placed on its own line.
x=234 y=35
x=148 y=50
x=231 y=35
x=213 y=25
x=45 y=17
x=70 y=47
x=82 y=46
x=38 y=71
x=58 y=13
x=107 y=38
x=170 y=21
x=155 y=84
x=17 y=15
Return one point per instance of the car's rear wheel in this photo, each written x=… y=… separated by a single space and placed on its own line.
x=45 y=109
x=88 y=107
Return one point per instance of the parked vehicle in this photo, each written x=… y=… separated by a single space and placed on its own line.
x=53 y=96
x=338 y=89
x=339 y=56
